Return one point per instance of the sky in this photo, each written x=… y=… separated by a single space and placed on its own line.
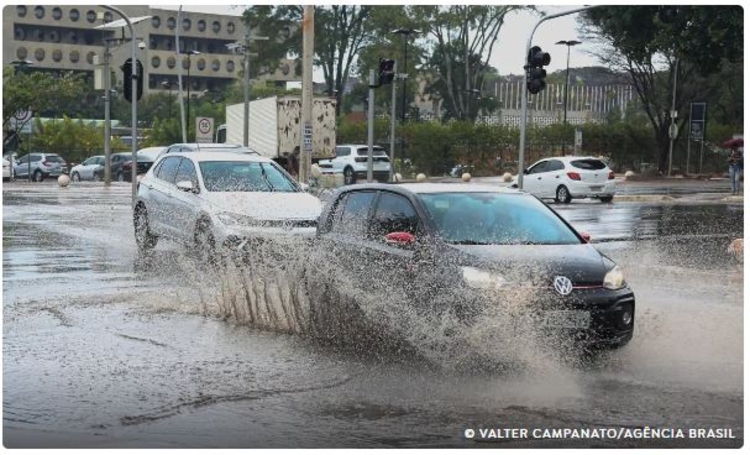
x=509 y=51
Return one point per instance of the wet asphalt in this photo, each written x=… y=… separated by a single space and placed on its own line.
x=99 y=351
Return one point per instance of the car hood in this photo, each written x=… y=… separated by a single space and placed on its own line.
x=267 y=205
x=582 y=263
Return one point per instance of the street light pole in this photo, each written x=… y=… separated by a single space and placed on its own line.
x=187 y=108
x=405 y=32
x=567 y=82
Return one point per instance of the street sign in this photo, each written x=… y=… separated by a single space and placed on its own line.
x=307 y=138
x=674 y=131
x=21 y=121
x=204 y=130
x=697 y=121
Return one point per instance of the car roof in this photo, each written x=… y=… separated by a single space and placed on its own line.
x=211 y=145
x=436 y=188
x=570 y=158
x=221 y=156
x=359 y=146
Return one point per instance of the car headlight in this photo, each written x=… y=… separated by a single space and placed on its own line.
x=482 y=279
x=614 y=279
x=234 y=219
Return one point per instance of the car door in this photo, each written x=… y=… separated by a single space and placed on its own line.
x=86 y=171
x=185 y=205
x=162 y=189
x=552 y=178
x=532 y=182
x=21 y=167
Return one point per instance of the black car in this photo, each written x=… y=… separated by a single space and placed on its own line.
x=461 y=249
x=145 y=159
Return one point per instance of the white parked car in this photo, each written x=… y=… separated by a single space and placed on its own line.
x=91 y=169
x=7 y=170
x=569 y=177
x=219 y=200
x=351 y=160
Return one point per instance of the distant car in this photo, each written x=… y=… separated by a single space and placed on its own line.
x=454 y=250
x=351 y=160
x=211 y=147
x=570 y=177
x=42 y=165
x=145 y=159
x=7 y=170
x=214 y=201
x=91 y=169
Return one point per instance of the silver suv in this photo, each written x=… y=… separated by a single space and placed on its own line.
x=42 y=165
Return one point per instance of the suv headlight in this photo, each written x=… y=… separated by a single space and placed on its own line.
x=482 y=279
x=614 y=279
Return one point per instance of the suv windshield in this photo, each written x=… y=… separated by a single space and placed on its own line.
x=245 y=176
x=496 y=219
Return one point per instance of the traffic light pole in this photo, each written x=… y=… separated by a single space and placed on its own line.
x=107 y=119
x=370 y=125
x=134 y=103
x=522 y=145
x=393 y=118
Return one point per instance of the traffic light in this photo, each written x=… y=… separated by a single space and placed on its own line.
x=535 y=73
x=385 y=73
x=127 y=85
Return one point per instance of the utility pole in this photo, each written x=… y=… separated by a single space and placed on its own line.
x=107 y=119
x=245 y=49
x=673 y=115
x=370 y=125
x=308 y=40
x=393 y=118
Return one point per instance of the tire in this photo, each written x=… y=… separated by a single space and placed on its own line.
x=75 y=177
x=120 y=177
x=144 y=239
x=97 y=177
x=38 y=176
x=606 y=199
x=350 y=178
x=205 y=243
x=562 y=195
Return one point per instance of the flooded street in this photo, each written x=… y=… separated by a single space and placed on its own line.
x=99 y=351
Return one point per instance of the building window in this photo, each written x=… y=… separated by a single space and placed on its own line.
x=39 y=35
x=156 y=21
x=57 y=13
x=216 y=26
x=210 y=48
x=39 y=12
x=230 y=27
x=74 y=56
x=90 y=57
x=21 y=11
x=201 y=64
x=57 y=55
x=216 y=65
x=74 y=15
x=186 y=23
x=73 y=37
x=155 y=61
x=39 y=54
x=201 y=25
x=90 y=16
x=195 y=83
x=20 y=34
x=88 y=37
x=22 y=53
x=171 y=23
x=54 y=36
x=153 y=43
x=230 y=65
x=108 y=16
x=170 y=62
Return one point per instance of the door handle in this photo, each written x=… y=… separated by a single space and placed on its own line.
x=557 y=176
x=538 y=178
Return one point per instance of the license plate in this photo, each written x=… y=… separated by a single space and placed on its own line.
x=596 y=188
x=567 y=319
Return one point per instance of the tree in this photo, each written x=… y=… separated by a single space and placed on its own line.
x=648 y=41
x=341 y=33
x=461 y=39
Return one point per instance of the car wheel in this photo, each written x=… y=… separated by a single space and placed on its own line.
x=37 y=176
x=349 y=177
x=606 y=199
x=205 y=243
x=76 y=177
x=97 y=177
x=562 y=195
x=120 y=177
x=144 y=239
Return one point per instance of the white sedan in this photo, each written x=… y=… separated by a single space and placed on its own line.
x=220 y=200
x=566 y=178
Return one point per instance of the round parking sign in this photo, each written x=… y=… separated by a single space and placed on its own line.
x=204 y=126
x=22 y=115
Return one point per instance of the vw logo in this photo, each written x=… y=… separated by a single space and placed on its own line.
x=563 y=286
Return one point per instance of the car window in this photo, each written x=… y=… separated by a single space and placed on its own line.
x=555 y=165
x=589 y=165
x=36 y=158
x=354 y=214
x=186 y=172
x=245 y=176
x=90 y=161
x=23 y=160
x=100 y=160
x=362 y=151
x=394 y=213
x=539 y=167
x=496 y=218
x=168 y=169
x=343 y=151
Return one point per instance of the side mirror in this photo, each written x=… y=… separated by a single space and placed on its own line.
x=400 y=238
x=305 y=187
x=586 y=236
x=526 y=171
x=185 y=185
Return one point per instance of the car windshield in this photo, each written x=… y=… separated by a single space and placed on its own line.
x=245 y=176
x=362 y=151
x=496 y=219
x=591 y=165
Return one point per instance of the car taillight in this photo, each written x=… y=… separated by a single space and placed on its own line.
x=611 y=175
x=574 y=176
x=361 y=159
x=46 y=163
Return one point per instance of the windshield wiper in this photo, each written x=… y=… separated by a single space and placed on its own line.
x=265 y=177
x=468 y=242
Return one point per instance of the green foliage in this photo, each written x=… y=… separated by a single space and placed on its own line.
x=72 y=139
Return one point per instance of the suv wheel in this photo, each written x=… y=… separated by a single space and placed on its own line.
x=205 y=243
x=606 y=199
x=143 y=237
x=38 y=177
x=349 y=177
x=562 y=195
